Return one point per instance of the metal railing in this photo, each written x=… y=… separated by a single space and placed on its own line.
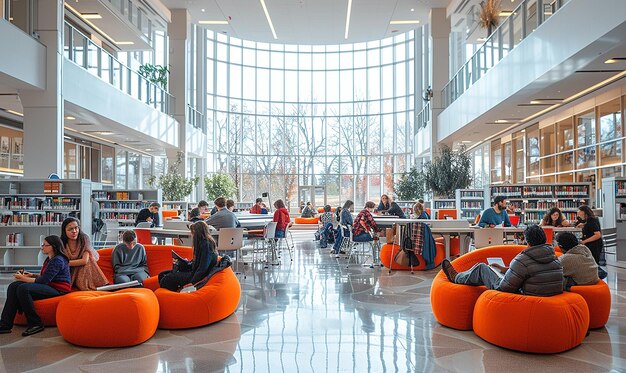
x=423 y=117
x=79 y=49
x=196 y=118
x=135 y=15
x=521 y=23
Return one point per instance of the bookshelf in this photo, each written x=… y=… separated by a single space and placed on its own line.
x=532 y=201
x=180 y=206
x=614 y=217
x=33 y=209
x=120 y=207
x=470 y=202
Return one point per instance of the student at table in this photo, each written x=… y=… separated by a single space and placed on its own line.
x=150 y=215
x=364 y=227
x=419 y=212
x=554 y=218
x=388 y=207
x=257 y=208
x=495 y=215
x=194 y=215
x=281 y=217
x=223 y=218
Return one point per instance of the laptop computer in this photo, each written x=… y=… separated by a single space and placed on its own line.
x=456 y=223
x=176 y=224
x=230 y=239
x=488 y=237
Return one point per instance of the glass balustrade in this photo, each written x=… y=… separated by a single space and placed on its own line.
x=98 y=62
x=196 y=118
x=525 y=19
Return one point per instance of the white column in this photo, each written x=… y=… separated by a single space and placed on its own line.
x=440 y=55
x=43 y=110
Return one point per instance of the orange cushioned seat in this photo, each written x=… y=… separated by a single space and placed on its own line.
x=46 y=309
x=386 y=257
x=453 y=304
x=108 y=319
x=211 y=303
x=598 y=298
x=531 y=324
x=306 y=220
x=169 y=214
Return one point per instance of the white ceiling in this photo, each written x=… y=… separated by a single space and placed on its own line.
x=309 y=21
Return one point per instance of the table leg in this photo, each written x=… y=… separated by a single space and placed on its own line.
x=446 y=242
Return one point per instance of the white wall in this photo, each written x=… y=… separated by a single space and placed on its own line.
x=573 y=28
x=196 y=142
x=22 y=65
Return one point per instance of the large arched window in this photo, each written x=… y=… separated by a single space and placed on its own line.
x=285 y=116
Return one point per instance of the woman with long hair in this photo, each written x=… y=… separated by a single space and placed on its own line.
x=53 y=281
x=554 y=218
x=281 y=217
x=592 y=233
x=86 y=275
x=189 y=272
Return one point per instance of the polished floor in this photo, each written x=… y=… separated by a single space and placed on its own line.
x=316 y=315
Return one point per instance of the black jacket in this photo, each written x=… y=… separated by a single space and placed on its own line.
x=534 y=271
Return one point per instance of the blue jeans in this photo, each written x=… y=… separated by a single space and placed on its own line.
x=338 y=238
x=20 y=296
x=279 y=234
x=363 y=237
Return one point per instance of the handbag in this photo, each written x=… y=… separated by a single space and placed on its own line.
x=402 y=258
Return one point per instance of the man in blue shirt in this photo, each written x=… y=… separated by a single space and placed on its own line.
x=495 y=215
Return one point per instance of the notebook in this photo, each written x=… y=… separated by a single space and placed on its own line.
x=123 y=285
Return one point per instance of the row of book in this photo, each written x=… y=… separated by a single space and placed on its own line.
x=15 y=239
x=124 y=205
x=39 y=203
x=120 y=196
x=471 y=205
x=117 y=215
x=26 y=218
x=546 y=205
x=538 y=191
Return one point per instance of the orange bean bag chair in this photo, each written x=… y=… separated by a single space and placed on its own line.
x=213 y=302
x=598 y=298
x=46 y=309
x=159 y=259
x=388 y=251
x=455 y=245
x=525 y=323
x=123 y=318
x=321 y=209
x=453 y=304
x=306 y=220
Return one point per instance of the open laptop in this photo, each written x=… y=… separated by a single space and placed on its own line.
x=456 y=223
x=488 y=237
x=230 y=239
x=176 y=224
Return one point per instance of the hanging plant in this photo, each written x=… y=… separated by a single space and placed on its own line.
x=490 y=15
x=156 y=74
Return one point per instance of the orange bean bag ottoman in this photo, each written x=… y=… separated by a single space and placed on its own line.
x=123 y=318
x=306 y=220
x=388 y=251
x=598 y=298
x=525 y=323
x=46 y=309
x=211 y=303
x=453 y=304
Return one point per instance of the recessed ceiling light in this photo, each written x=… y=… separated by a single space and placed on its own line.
x=407 y=22
x=412 y=9
x=69 y=117
x=213 y=22
x=501 y=121
x=482 y=40
x=149 y=149
x=124 y=42
x=466 y=141
x=203 y=10
x=91 y=16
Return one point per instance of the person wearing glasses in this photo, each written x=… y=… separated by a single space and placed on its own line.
x=53 y=281
x=86 y=275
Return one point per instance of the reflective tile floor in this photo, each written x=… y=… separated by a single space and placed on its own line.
x=316 y=315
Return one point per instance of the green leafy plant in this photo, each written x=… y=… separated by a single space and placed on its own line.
x=412 y=185
x=175 y=186
x=157 y=74
x=448 y=171
x=219 y=185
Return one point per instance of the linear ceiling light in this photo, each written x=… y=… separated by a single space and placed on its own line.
x=14 y=112
x=269 y=19
x=213 y=22
x=407 y=22
x=91 y=16
x=505 y=13
x=125 y=42
x=348 y=15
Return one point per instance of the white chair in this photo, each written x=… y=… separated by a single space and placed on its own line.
x=488 y=237
x=231 y=240
x=270 y=238
x=359 y=249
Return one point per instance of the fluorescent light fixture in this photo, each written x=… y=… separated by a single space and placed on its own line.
x=348 y=15
x=611 y=60
x=505 y=13
x=406 y=22
x=466 y=141
x=501 y=121
x=213 y=22
x=149 y=149
x=69 y=117
x=125 y=42
x=14 y=112
x=105 y=132
x=482 y=40
x=91 y=16
x=269 y=19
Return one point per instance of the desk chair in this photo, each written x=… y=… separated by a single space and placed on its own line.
x=144 y=236
x=270 y=238
x=231 y=239
x=352 y=249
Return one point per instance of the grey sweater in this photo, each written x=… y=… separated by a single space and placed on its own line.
x=578 y=263
x=128 y=261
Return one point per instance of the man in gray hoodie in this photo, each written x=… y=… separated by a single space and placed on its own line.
x=129 y=260
x=535 y=271
x=579 y=267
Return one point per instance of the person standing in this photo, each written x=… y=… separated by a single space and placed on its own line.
x=150 y=215
x=592 y=233
x=495 y=215
x=129 y=260
x=281 y=217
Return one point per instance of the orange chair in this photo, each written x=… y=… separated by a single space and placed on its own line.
x=525 y=323
x=549 y=234
x=388 y=251
x=514 y=220
x=306 y=220
x=598 y=298
x=144 y=236
x=453 y=304
x=442 y=214
x=169 y=214
x=123 y=318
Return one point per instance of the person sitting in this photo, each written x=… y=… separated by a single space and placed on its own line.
x=392 y=208
x=308 y=211
x=535 y=271
x=84 y=270
x=187 y=273
x=129 y=260
x=495 y=215
x=579 y=267
x=53 y=281
x=264 y=209
x=194 y=215
x=204 y=209
x=419 y=212
x=554 y=218
x=327 y=222
x=281 y=217
x=364 y=227
x=346 y=220
x=258 y=204
x=223 y=218
x=150 y=215
x=384 y=204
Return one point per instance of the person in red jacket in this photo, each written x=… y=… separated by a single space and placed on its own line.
x=281 y=216
x=256 y=209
